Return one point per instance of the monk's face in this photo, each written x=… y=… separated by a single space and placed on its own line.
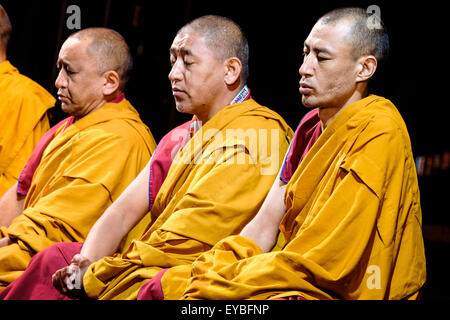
x=79 y=84
x=196 y=76
x=328 y=73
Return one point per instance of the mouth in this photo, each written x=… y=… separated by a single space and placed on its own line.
x=176 y=92
x=305 y=89
x=63 y=98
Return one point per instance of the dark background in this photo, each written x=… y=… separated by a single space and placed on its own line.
x=415 y=79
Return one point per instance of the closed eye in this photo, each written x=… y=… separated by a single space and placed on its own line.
x=320 y=59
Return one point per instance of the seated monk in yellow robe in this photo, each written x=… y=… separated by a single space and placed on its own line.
x=224 y=163
x=92 y=156
x=23 y=113
x=349 y=216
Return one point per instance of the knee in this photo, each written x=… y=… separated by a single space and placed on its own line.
x=60 y=251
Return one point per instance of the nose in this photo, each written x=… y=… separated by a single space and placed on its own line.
x=176 y=73
x=306 y=67
x=61 y=81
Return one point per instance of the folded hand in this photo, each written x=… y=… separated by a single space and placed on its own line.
x=69 y=280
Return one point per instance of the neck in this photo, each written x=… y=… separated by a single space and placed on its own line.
x=222 y=100
x=115 y=97
x=329 y=113
x=2 y=56
x=90 y=109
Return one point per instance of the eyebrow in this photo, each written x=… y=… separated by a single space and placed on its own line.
x=183 y=51
x=318 y=49
x=61 y=62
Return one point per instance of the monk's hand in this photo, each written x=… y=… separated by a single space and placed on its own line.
x=69 y=280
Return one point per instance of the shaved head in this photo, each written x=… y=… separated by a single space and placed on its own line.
x=110 y=51
x=364 y=39
x=222 y=36
x=5 y=29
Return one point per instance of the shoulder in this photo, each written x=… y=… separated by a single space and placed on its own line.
x=260 y=117
x=21 y=88
x=118 y=134
x=385 y=119
x=381 y=137
x=31 y=85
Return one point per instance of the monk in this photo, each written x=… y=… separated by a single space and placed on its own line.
x=83 y=163
x=205 y=181
x=23 y=113
x=347 y=203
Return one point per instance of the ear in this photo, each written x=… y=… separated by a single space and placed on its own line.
x=232 y=68
x=367 y=65
x=111 y=82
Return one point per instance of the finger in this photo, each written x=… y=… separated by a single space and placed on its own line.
x=57 y=280
x=64 y=275
x=70 y=269
x=55 y=277
x=70 y=275
x=77 y=259
x=62 y=280
x=73 y=279
x=68 y=283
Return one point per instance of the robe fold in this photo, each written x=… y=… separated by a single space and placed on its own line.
x=352 y=223
x=170 y=283
x=207 y=186
x=215 y=185
x=83 y=169
x=26 y=176
x=23 y=121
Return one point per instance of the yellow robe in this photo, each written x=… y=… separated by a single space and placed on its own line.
x=352 y=225
x=213 y=188
x=23 y=121
x=82 y=171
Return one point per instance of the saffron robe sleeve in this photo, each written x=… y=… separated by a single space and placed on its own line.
x=82 y=171
x=352 y=225
x=214 y=186
x=23 y=121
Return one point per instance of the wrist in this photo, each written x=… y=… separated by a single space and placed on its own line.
x=6 y=241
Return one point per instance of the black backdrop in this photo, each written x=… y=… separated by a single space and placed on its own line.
x=276 y=31
x=416 y=79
